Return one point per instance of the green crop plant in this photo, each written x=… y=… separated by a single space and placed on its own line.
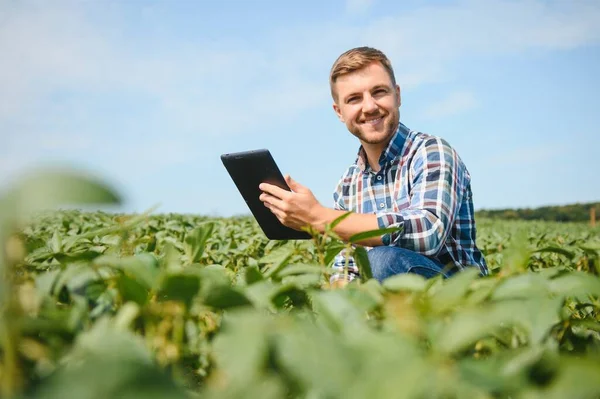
x=98 y=305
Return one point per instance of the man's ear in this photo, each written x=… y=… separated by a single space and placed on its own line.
x=338 y=112
x=398 y=96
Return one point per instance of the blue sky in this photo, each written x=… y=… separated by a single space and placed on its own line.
x=146 y=95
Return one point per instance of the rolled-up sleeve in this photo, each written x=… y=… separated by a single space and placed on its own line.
x=438 y=177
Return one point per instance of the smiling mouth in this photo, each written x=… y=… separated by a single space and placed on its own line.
x=373 y=121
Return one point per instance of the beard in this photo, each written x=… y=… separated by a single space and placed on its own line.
x=367 y=136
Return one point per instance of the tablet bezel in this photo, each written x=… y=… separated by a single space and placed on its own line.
x=248 y=169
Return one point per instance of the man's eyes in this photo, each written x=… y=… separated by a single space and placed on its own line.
x=376 y=93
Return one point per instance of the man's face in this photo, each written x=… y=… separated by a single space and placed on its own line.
x=367 y=102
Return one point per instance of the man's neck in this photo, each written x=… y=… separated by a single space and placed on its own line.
x=373 y=153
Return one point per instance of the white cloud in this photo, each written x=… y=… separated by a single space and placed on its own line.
x=225 y=86
x=526 y=155
x=358 y=6
x=47 y=47
x=498 y=27
x=455 y=103
x=425 y=43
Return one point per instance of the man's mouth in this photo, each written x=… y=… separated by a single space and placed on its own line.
x=373 y=121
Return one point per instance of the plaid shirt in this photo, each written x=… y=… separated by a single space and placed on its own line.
x=423 y=186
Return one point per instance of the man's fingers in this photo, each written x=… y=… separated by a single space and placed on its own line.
x=272 y=200
x=290 y=182
x=279 y=214
x=293 y=184
x=274 y=190
x=284 y=218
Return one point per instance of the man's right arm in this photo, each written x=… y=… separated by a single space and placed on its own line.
x=353 y=224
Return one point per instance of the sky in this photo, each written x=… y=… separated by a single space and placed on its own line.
x=146 y=95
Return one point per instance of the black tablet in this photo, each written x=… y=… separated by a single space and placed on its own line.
x=248 y=170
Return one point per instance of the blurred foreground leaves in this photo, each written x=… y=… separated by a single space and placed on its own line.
x=98 y=305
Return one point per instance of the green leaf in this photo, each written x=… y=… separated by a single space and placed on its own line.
x=49 y=189
x=196 y=241
x=332 y=250
x=278 y=255
x=374 y=233
x=405 y=282
x=467 y=327
x=179 y=287
x=44 y=282
x=366 y=297
x=289 y=296
x=303 y=281
x=131 y=290
x=338 y=220
x=556 y=250
x=142 y=267
x=575 y=284
x=277 y=259
x=576 y=378
x=302 y=268
x=124 y=319
x=316 y=360
x=454 y=290
x=262 y=292
x=516 y=257
x=109 y=362
x=521 y=286
x=537 y=316
x=76 y=256
x=241 y=348
x=362 y=262
x=252 y=275
x=73 y=277
x=338 y=312
x=225 y=297
x=383 y=375
x=55 y=243
x=213 y=275
x=504 y=372
x=481 y=290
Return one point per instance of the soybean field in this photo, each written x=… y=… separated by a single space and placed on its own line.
x=103 y=305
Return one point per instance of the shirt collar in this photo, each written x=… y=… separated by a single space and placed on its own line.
x=393 y=149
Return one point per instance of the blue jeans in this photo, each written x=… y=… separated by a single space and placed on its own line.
x=389 y=261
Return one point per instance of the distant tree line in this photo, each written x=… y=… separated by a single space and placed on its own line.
x=561 y=213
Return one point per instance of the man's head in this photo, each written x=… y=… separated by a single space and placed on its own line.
x=366 y=96
x=354 y=60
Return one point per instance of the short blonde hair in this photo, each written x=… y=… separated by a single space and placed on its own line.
x=356 y=59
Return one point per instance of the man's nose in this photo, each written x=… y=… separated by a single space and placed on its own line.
x=369 y=104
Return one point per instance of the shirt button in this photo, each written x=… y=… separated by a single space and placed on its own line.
x=381 y=205
x=379 y=177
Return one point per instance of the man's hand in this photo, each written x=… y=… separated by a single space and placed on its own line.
x=294 y=209
x=300 y=208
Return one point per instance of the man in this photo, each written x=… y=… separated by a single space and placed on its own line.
x=401 y=178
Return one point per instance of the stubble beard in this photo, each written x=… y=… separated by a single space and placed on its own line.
x=390 y=126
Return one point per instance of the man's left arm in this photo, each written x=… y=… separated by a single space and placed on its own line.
x=438 y=183
x=299 y=208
